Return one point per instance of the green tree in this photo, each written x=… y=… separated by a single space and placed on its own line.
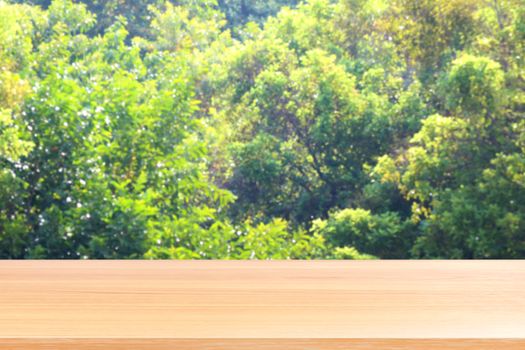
x=240 y=12
x=16 y=31
x=463 y=216
x=235 y=129
x=304 y=131
x=384 y=235
x=119 y=163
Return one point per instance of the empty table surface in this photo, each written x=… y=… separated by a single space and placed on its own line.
x=262 y=304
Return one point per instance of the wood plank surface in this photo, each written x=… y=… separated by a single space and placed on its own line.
x=262 y=344
x=262 y=305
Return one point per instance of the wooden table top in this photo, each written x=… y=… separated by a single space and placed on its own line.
x=262 y=305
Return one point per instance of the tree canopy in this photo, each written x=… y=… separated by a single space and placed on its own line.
x=232 y=129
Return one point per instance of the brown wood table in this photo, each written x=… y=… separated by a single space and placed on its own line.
x=262 y=305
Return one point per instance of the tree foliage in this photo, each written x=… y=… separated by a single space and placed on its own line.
x=232 y=129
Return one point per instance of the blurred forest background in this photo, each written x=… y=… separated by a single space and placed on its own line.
x=237 y=129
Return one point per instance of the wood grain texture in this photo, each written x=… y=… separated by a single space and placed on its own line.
x=262 y=305
x=261 y=344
